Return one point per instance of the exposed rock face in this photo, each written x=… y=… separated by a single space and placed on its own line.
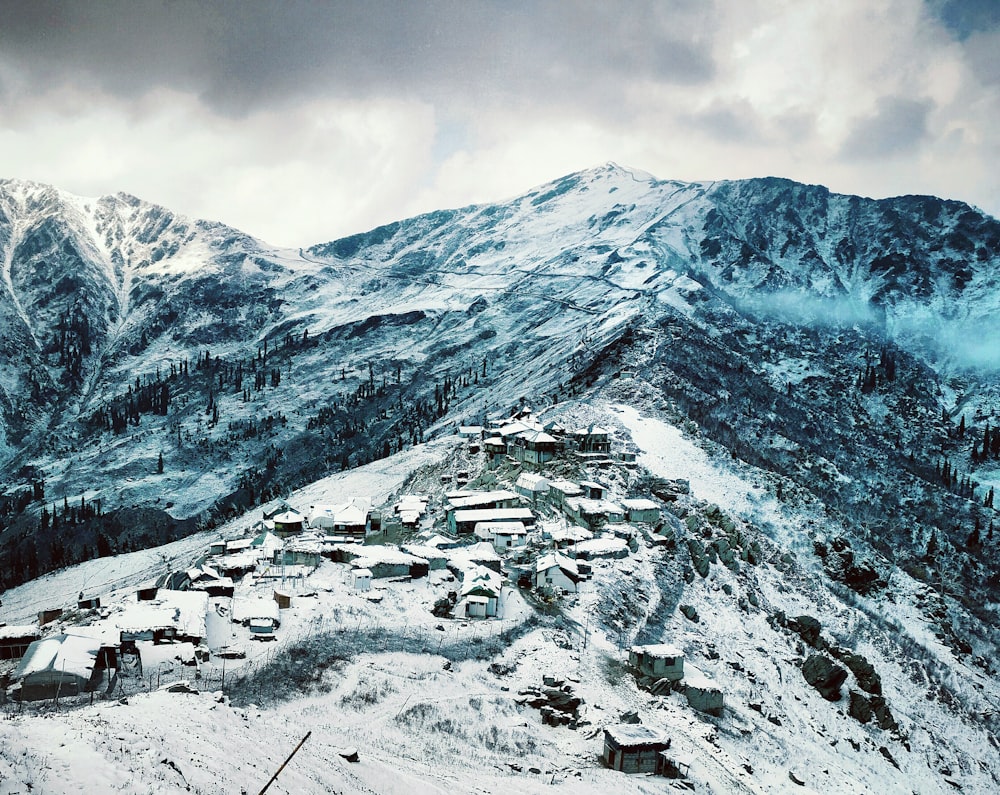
x=864 y=672
x=825 y=675
x=841 y=563
x=860 y=707
x=807 y=628
x=699 y=559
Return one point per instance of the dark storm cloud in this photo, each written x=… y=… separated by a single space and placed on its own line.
x=897 y=126
x=965 y=17
x=238 y=55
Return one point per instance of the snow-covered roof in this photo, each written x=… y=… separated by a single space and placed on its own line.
x=532 y=481
x=470 y=430
x=305 y=543
x=288 y=517
x=468 y=499
x=239 y=560
x=182 y=610
x=267 y=542
x=211 y=580
x=18 y=631
x=515 y=428
x=632 y=734
x=495 y=515
x=245 y=608
x=439 y=541
x=567 y=487
x=68 y=653
x=362 y=573
x=697 y=679
x=553 y=559
x=572 y=533
x=601 y=546
x=500 y=529
x=155 y=654
x=374 y=555
x=239 y=544
x=353 y=512
x=639 y=504
x=536 y=436
x=594 y=507
x=658 y=650
x=481 y=578
x=426 y=551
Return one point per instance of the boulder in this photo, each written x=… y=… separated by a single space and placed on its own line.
x=883 y=715
x=860 y=707
x=690 y=613
x=807 y=628
x=824 y=675
x=699 y=559
x=864 y=672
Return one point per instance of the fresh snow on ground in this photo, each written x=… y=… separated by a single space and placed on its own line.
x=431 y=704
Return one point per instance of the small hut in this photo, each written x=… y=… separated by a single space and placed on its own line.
x=660 y=661
x=633 y=748
x=361 y=579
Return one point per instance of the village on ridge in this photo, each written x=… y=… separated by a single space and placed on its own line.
x=527 y=512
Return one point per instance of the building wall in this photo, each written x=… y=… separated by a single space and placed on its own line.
x=555 y=578
x=629 y=760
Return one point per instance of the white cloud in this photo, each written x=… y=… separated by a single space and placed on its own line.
x=298 y=176
x=397 y=119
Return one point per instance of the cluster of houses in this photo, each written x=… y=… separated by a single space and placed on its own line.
x=525 y=439
x=484 y=539
x=152 y=625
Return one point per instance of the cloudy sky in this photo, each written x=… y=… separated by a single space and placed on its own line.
x=300 y=122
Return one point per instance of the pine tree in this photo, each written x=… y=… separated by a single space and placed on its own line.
x=932 y=545
x=159 y=464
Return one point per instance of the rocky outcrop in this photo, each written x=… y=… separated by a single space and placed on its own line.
x=824 y=675
x=844 y=565
x=557 y=702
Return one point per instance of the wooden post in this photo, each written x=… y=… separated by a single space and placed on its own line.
x=294 y=751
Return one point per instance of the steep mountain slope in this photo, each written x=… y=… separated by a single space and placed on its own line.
x=153 y=361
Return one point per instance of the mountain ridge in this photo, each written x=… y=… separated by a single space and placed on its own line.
x=114 y=299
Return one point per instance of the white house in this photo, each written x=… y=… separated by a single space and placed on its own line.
x=288 y=523
x=533 y=447
x=557 y=571
x=58 y=665
x=560 y=490
x=481 y=590
x=344 y=519
x=361 y=579
x=505 y=536
x=532 y=486
x=463 y=522
x=702 y=692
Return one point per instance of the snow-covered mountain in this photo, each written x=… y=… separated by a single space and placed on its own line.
x=821 y=368
x=133 y=336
